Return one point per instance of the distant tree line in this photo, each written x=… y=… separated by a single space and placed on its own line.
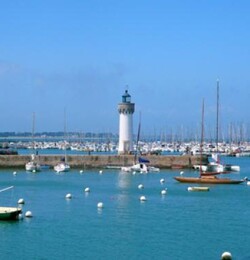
x=58 y=134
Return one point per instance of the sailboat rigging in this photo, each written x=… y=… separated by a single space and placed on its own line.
x=216 y=167
x=140 y=164
x=63 y=165
x=209 y=179
x=33 y=165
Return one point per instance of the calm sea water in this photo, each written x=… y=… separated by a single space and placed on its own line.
x=179 y=225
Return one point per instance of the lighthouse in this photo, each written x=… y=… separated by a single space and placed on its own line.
x=126 y=110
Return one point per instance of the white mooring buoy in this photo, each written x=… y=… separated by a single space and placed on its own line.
x=28 y=214
x=68 y=196
x=21 y=201
x=100 y=171
x=81 y=171
x=14 y=173
x=162 y=180
x=226 y=256
x=143 y=198
x=100 y=205
x=87 y=189
x=140 y=186
x=163 y=192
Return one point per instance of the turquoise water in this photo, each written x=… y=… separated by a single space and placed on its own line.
x=179 y=225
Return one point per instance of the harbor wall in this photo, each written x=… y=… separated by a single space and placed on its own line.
x=101 y=161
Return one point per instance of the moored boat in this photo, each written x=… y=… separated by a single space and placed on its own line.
x=9 y=213
x=62 y=167
x=208 y=180
x=33 y=165
x=195 y=188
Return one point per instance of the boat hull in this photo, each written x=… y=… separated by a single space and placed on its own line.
x=9 y=213
x=62 y=167
x=198 y=189
x=208 y=180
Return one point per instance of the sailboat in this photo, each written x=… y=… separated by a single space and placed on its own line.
x=33 y=165
x=63 y=165
x=209 y=179
x=140 y=164
x=215 y=167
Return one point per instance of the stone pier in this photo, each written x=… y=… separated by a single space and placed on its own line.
x=101 y=161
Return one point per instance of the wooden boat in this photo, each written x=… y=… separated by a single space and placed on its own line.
x=207 y=180
x=9 y=213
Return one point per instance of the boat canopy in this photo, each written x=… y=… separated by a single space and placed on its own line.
x=143 y=160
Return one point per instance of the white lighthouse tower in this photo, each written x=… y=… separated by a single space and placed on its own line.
x=126 y=110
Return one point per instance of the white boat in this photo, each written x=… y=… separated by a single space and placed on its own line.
x=9 y=213
x=198 y=188
x=231 y=168
x=141 y=168
x=32 y=166
x=62 y=167
x=213 y=167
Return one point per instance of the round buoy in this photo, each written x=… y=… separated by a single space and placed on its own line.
x=162 y=180
x=21 y=201
x=248 y=182
x=189 y=189
x=182 y=172
x=134 y=172
x=68 y=196
x=226 y=256
x=14 y=173
x=143 y=198
x=87 y=189
x=100 y=171
x=163 y=192
x=100 y=205
x=81 y=171
x=28 y=214
x=34 y=171
x=140 y=186
x=20 y=216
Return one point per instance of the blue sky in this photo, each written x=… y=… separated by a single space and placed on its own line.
x=80 y=56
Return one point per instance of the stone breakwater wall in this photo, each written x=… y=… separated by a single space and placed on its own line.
x=101 y=161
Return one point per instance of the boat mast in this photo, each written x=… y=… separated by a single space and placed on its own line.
x=33 y=132
x=217 y=119
x=202 y=136
x=138 y=138
x=65 y=142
